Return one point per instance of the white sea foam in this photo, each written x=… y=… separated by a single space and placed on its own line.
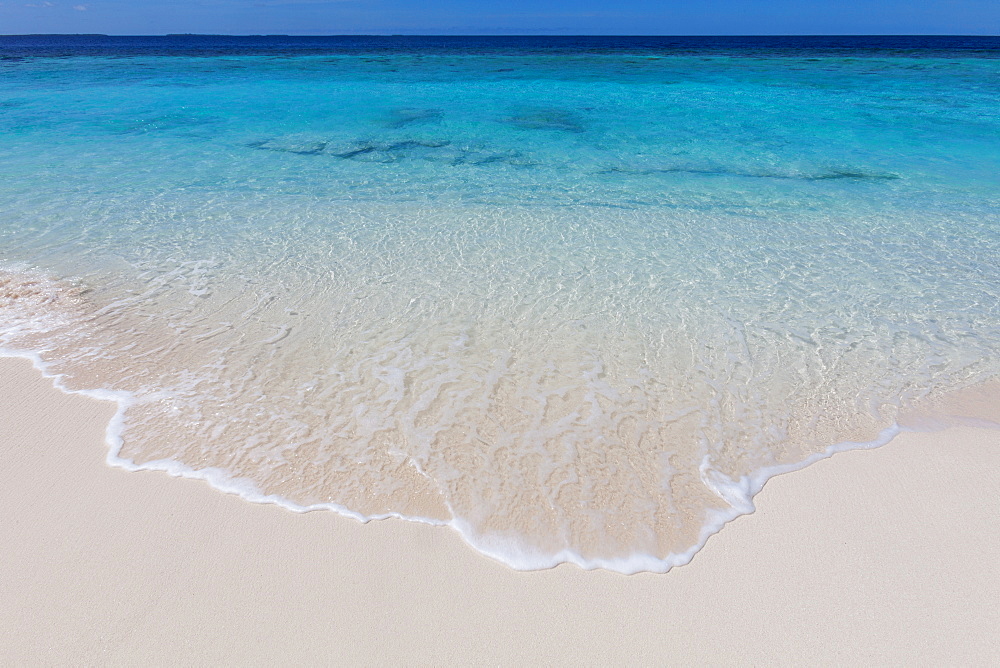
x=510 y=549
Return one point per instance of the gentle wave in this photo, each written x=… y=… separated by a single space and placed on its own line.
x=507 y=549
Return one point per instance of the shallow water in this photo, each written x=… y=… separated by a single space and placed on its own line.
x=576 y=299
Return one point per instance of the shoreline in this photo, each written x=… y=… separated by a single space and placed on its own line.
x=888 y=555
x=739 y=494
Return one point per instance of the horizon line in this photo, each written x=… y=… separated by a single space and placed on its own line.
x=513 y=34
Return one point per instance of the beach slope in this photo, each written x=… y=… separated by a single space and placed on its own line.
x=890 y=556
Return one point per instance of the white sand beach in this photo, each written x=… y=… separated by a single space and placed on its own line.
x=888 y=556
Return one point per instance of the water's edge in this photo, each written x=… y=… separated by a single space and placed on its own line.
x=737 y=494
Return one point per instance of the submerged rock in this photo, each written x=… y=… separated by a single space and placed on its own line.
x=559 y=120
x=385 y=151
x=405 y=116
x=298 y=146
x=719 y=170
x=368 y=150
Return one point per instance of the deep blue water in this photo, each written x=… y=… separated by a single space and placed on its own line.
x=207 y=45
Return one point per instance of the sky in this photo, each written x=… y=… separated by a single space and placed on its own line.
x=483 y=17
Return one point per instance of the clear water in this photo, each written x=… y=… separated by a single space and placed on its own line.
x=574 y=297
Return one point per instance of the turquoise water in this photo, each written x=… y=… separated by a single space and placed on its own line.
x=575 y=299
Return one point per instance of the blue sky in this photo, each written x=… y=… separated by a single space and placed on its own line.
x=594 y=17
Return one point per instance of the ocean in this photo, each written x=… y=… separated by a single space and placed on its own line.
x=577 y=298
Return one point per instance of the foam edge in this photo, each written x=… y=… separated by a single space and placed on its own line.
x=737 y=494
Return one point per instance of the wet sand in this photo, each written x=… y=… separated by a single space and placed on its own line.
x=883 y=556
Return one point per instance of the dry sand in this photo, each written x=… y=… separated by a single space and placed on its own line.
x=889 y=556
